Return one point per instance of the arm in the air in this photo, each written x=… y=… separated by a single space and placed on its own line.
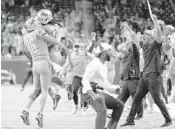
x=91 y=47
x=132 y=34
x=158 y=32
x=93 y=34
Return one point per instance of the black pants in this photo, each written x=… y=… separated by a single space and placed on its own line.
x=151 y=82
x=129 y=88
x=164 y=94
x=77 y=85
x=101 y=105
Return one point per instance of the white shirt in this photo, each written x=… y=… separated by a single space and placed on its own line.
x=96 y=72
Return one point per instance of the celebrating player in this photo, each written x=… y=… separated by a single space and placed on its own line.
x=151 y=79
x=36 y=42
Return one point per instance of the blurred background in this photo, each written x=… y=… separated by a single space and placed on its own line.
x=77 y=18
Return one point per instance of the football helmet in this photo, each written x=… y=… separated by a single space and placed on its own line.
x=44 y=16
x=31 y=24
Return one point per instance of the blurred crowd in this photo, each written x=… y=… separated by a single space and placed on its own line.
x=108 y=15
x=14 y=16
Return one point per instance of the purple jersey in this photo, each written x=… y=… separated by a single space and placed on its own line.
x=36 y=45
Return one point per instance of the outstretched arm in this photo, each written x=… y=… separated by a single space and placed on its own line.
x=93 y=34
x=132 y=34
x=158 y=32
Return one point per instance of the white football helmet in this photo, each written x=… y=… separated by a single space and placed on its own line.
x=31 y=24
x=44 y=16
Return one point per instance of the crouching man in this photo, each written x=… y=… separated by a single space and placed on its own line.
x=97 y=90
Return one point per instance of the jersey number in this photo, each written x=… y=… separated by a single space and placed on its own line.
x=31 y=46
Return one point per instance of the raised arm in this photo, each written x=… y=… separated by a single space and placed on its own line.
x=157 y=31
x=172 y=5
x=131 y=33
x=93 y=34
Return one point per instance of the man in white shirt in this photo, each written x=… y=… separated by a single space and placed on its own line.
x=98 y=91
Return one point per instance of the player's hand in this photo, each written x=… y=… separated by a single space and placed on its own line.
x=93 y=34
x=154 y=17
x=124 y=24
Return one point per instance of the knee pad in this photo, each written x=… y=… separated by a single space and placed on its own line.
x=35 y=94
